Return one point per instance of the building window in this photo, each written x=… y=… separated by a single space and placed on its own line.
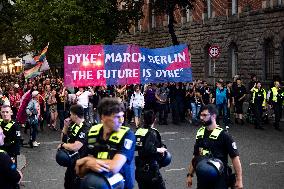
x=187 y=15
x=234 y=7
x=269 y=59
x=280 y=2
x=233 y=60
x=208 y=63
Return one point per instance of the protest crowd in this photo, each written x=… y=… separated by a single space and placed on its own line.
x=44 y=102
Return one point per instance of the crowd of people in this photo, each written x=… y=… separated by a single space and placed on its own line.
x=44 y=102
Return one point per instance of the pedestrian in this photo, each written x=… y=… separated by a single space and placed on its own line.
x=32 y=111
x=137 y=103
x=239 y=94
x=258 y=103
x=150 y=148
x=83 y=100
x=118 y=160
x=213 y=144
x=276 y=100
x=221 y=99
x=162 y=99
x=10 y=177
x=52 y=102
x=74 y=139
x=12 y=133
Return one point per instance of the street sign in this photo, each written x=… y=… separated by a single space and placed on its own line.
x=214 y=51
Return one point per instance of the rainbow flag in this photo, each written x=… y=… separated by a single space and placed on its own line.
x=33 y=72
x=42 y=55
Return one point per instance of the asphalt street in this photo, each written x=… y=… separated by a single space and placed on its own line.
x=261 y=153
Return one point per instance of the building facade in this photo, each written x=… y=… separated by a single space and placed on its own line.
x=250 y=34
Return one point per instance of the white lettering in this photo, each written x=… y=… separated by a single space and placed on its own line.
x=181 y=57
x=93 y=58
x=109 y=57
x=89 y=75
x=151 y=59
x=118 y=58
x=74 y=75
x=78 y=58
x=126 y=57
x=71 y=59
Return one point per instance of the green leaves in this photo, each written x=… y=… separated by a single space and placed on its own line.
x=65 y=22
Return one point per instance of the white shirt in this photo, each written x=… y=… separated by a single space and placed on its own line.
x=83 y=99
x=137 y=100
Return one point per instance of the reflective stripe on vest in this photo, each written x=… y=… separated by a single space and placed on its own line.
x=115 y=138
x=8 y=126
x=2 y=151
x=274 y=91
x=214 y=135
x=255 y=90
x=140 y=134
x=75 y=129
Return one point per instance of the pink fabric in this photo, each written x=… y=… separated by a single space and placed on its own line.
x=21 y=115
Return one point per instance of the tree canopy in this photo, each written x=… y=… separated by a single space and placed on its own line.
x=66 y=22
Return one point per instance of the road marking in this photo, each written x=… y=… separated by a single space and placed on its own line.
x=253 y=164
x=171 y=139
x=185 y=138
x=169 y=170
x=51 y=142
x=48 y=180
x=169 y=133
x=26 y=181
x=279 y=162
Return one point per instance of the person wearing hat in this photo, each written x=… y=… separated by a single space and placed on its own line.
x=32 y=111
x=150 y=149
x=215 y=143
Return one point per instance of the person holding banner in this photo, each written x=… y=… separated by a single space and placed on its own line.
x=137 y=103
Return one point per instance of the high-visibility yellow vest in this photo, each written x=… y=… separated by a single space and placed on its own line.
x=109 y=150
x=140 y=135
x=274 y=91
x=214 y=136
x=255 y=90
x=8 y=126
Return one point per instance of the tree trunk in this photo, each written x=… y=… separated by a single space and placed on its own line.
x=171 y=24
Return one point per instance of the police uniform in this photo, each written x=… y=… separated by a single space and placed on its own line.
x=9 y=176
x=258 y=102
x=147 y=168
x=75 y=133
x=120 y=142
x=12 y=134
x=276 y=99
x=217 y=144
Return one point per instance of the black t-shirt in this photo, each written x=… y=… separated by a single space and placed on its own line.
x=9 y=176
x=60 y=102
x=239 y=91
x=220 y=148
x=12 y=139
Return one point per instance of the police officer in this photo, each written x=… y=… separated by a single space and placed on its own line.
x=10 y=177
x=213 y=141
x=150 y=149
x=258 y=103
x=74 y=135
x=110 y=147
x=12 y=133
x=276 y=100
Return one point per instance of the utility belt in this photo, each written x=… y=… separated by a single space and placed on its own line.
x=145 y=165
